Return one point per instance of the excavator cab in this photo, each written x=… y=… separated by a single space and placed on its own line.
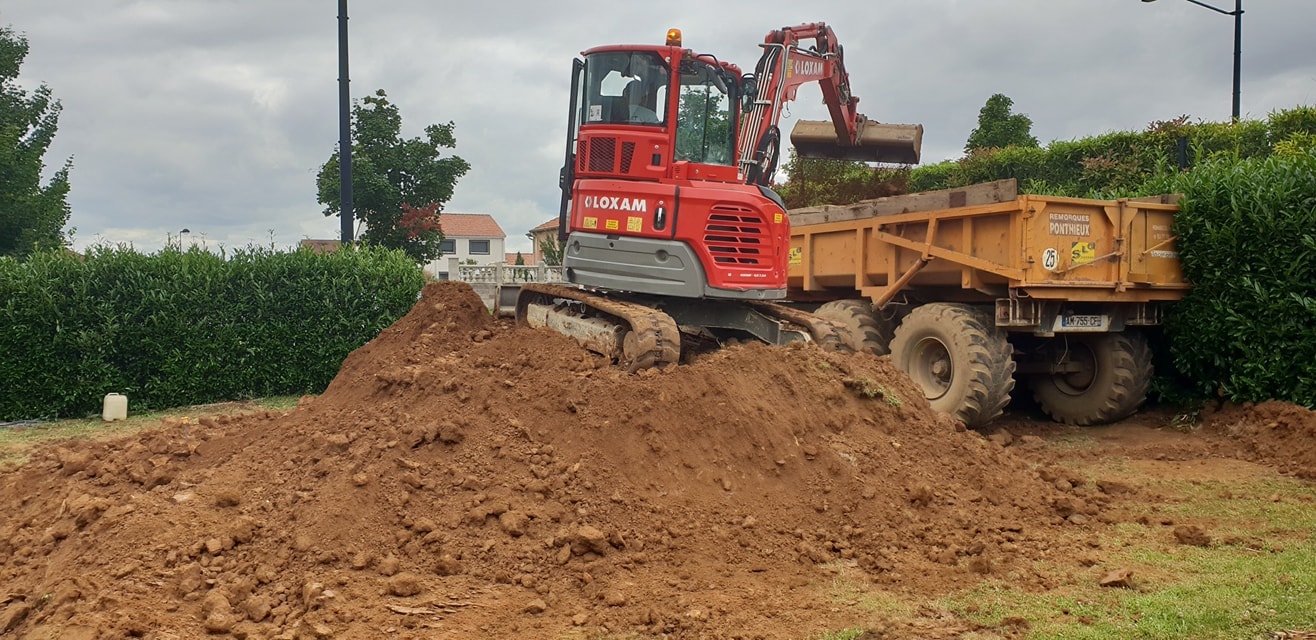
x=678 y=107
x=654 y=201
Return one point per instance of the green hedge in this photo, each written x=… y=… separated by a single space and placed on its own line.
x=1121 y=163
x=1247 y=239
x=178 y=328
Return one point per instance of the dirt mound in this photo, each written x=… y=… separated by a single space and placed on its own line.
x=1278 y=433
x=464 y=476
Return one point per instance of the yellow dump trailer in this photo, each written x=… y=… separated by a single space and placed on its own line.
x=971 y=288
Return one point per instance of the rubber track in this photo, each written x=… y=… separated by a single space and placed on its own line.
x=655 y=333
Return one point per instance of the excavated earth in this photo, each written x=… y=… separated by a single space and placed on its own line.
x=465 y=478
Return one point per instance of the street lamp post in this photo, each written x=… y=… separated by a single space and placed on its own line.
x=182 y=233
x=1238 y=46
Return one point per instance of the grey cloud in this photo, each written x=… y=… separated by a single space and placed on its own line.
x=216 y=115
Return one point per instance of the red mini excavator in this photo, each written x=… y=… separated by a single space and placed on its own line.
x=668 y=224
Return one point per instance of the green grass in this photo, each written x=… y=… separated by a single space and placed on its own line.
x=1199 y=593
x=848 y=634
x=849 y=588
x=17 y=442
x=870 y=389
x=1258 y=576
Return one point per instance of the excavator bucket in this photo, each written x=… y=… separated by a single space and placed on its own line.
x=875 y=141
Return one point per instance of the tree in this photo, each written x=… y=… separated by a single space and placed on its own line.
x=552 y=251
x=811 y=182
x=399 y=186
x=520 y=259
x=32 y=217
x=998 y=128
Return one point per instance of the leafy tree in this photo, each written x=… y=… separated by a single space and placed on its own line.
x=998 y=128
x=520 y=259
x=817 y=181
x=399 y=186
x=552 y=251
x=31 y=216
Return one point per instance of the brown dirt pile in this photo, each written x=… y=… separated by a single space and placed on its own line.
x=1277 y=433
x=466 y=478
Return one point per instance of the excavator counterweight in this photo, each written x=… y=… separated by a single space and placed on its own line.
x=874 y=141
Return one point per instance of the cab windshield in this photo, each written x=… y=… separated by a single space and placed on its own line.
x=625 y=87
x=705 y=124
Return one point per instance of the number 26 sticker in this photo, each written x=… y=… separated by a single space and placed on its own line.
x=1050 y=259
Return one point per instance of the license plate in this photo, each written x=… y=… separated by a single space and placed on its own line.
x=1079 y=322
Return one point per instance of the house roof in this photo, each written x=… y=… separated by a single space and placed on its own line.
x=511 y=257
x=551 y=224
x=319 y=245
x=470 y=225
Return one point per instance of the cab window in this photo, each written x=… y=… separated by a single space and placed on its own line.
x=705 y=122
x=625 y=87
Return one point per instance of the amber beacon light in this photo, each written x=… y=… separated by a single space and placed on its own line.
x=673 y=37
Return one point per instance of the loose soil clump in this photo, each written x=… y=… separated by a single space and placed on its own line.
x=464 y=476
x=1277 y=433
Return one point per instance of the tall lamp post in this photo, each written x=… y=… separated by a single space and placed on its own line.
x=1238 y=45
x=344 y=132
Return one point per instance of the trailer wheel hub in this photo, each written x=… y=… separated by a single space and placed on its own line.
x=931 y=368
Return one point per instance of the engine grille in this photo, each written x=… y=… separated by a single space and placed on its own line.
x=627 y=154
x=737 y=235
x=601 y=156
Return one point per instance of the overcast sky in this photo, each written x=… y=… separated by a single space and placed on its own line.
x=215 y=115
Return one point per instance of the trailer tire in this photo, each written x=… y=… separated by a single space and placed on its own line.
x=963 y=363
x=833 y=339
x=866 y=330
x=1117 y=374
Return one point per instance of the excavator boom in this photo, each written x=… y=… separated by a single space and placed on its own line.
x=784 y=66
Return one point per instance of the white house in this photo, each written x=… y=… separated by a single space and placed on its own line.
x=471 y=238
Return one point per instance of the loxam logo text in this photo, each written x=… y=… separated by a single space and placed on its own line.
x=808 y=67
x=615 y=203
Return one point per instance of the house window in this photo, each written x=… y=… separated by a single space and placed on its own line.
x=479 y=247
x=448 y=247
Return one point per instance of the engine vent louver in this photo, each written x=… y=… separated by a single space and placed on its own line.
x=627 y=154
x=737 y=236
x=603 y=154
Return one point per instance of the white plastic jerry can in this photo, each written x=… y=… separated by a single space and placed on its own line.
x=115 y=407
